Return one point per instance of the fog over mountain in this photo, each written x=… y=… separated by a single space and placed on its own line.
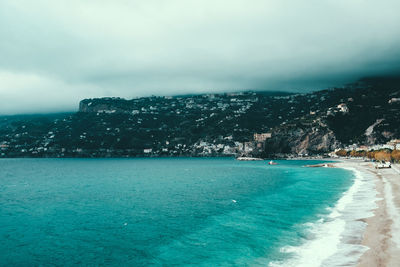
x=55 y=53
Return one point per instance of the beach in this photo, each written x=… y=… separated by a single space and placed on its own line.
x=381 y=231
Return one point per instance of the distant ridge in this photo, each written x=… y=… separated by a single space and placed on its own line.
x=212 y=124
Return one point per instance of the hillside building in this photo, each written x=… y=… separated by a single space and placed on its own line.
x=262 y=137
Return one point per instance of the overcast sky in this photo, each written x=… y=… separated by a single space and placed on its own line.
x=55 y=53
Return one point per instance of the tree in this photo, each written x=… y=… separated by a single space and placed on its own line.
x=371 y=154
x=362 y=154
x=341 y=153
x=396 y=155
x=383 y=155
x=353 y=153
x=358 y=154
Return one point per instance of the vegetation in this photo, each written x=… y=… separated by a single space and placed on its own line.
x=368 y=101
x=395 y=155
x=383 y=155
x=380 y=155
x=174 y=126
x=342 y=153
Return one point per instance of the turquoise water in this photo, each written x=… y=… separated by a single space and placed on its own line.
x=140 y=212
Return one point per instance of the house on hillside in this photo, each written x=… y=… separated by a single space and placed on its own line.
x=395 y=143
x=343 y=108
x=394 y=100
x=147 y=150
x=261 y=137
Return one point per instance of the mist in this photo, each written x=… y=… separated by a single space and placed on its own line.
x=55 y=53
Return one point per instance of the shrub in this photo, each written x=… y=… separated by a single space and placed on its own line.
x=395 y=155
x=383 y=155
x=341 y=153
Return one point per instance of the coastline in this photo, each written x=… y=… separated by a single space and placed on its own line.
x=363 y=228
x=338 y=236
x=381 y=233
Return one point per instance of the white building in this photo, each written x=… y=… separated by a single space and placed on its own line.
x=262 y=136
x=343 y=108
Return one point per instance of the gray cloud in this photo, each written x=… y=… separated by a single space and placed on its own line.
x=54 y=53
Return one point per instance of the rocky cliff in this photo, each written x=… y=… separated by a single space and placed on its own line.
x=367 y=112
x=301 y=140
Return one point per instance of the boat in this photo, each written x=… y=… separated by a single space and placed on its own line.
x=272 y=163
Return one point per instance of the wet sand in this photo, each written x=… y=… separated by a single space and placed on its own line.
x=382 y=234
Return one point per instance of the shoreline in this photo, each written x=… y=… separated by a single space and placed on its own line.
x=363 y=228
x=338 y=235
x=381 y=233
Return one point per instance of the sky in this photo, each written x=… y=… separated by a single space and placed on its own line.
x=55 y=53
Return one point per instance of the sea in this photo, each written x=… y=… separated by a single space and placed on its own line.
x=177 y=212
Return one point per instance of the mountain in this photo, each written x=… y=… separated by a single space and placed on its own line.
x=366 y=112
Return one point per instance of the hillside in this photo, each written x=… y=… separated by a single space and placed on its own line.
x=364 y=113
x=211 y=124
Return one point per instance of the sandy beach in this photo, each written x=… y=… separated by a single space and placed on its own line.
x=382 y=232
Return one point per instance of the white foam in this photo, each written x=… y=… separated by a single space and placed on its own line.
x=338 y=236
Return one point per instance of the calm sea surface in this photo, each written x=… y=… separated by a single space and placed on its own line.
x=140 y=212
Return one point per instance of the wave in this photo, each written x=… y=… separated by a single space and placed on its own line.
x=336 y=238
